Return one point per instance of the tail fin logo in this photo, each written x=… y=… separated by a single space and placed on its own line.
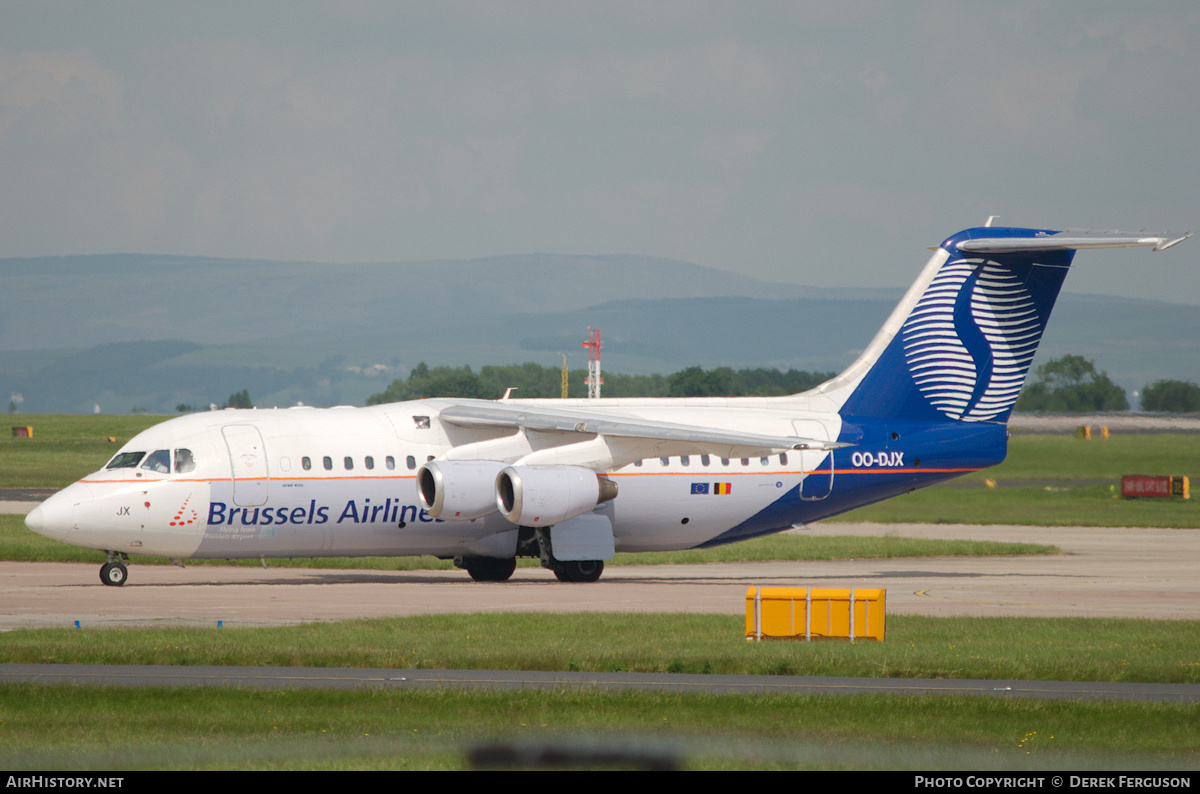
x=971 y=338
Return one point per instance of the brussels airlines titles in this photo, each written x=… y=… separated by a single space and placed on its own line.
x=392 y=511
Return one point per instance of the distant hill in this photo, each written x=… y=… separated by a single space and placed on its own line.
x=155 y=331
x=132 y=297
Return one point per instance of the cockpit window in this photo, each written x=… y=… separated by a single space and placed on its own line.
x=184 y=462
x=159 y=460
x=125 y=460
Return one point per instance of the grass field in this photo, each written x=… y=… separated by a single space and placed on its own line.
x=1062 y=649
x=1052 y=481
x=64 y=447
x=97 y=728
x=65 y=727
x=1060 y=503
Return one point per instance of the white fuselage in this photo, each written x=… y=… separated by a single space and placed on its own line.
x=341 y=481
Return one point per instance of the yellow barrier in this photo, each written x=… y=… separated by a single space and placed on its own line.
x=800 y=612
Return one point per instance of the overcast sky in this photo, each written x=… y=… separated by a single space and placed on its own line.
x=816 y=143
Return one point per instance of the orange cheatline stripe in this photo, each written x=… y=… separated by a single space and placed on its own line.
x=694 y=473
x=254 y=479
x=710 y=473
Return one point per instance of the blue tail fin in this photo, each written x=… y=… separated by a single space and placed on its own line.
x=959 y=345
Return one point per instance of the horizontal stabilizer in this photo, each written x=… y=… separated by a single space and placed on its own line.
x=1065 y=241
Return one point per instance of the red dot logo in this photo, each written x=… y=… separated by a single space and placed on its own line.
x=184 y=509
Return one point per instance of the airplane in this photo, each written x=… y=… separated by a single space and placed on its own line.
x=573 y=481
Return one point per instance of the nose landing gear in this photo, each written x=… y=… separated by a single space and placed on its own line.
x=114 y=573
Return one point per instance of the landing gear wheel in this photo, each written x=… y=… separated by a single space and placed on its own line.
x=578 y=570
x=490 y=569
x=113 y=574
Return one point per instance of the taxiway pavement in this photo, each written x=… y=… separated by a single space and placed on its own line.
x=1150 y=573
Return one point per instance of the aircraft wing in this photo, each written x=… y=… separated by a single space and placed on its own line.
x=539 y=418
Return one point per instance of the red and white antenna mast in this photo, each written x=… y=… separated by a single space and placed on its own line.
x=593 y=379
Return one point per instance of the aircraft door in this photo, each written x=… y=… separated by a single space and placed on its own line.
x=816 y=467
x=248 y=461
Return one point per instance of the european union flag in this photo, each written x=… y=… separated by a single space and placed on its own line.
x=699 y=487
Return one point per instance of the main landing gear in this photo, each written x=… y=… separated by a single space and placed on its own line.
x=114 y=573
x=537 y=542
x=578 y=570
x=488 y=569
x=491 y=569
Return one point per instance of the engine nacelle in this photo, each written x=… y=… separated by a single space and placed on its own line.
x=538 y=496
x=458 y=490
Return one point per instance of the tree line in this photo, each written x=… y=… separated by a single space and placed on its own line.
x=1070 y=384
x=533 y=380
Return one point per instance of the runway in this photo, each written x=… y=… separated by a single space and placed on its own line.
x=1149 y=573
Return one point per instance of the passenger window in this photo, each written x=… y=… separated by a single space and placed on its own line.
x=412 y=462
x=764 y=460
x=125 y=460
x=285 y=464
x=685 y=460
x=783 y=458
x=306 y=463
x=745 y=461
x=637 y=463
x=705 y=460
x=369 y=462
x=724 y=461
x=327 y=462
x=665 y=461
x=184 y=462
x=348 y=462
x=158 y=461
x=391 y=462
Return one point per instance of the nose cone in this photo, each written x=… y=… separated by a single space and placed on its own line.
x=36 y=520
x=55 y=517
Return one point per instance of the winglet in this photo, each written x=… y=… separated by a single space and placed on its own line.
x=1165 y=245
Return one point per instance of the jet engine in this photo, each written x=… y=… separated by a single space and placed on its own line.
x=458 y=490
x=539 y=496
